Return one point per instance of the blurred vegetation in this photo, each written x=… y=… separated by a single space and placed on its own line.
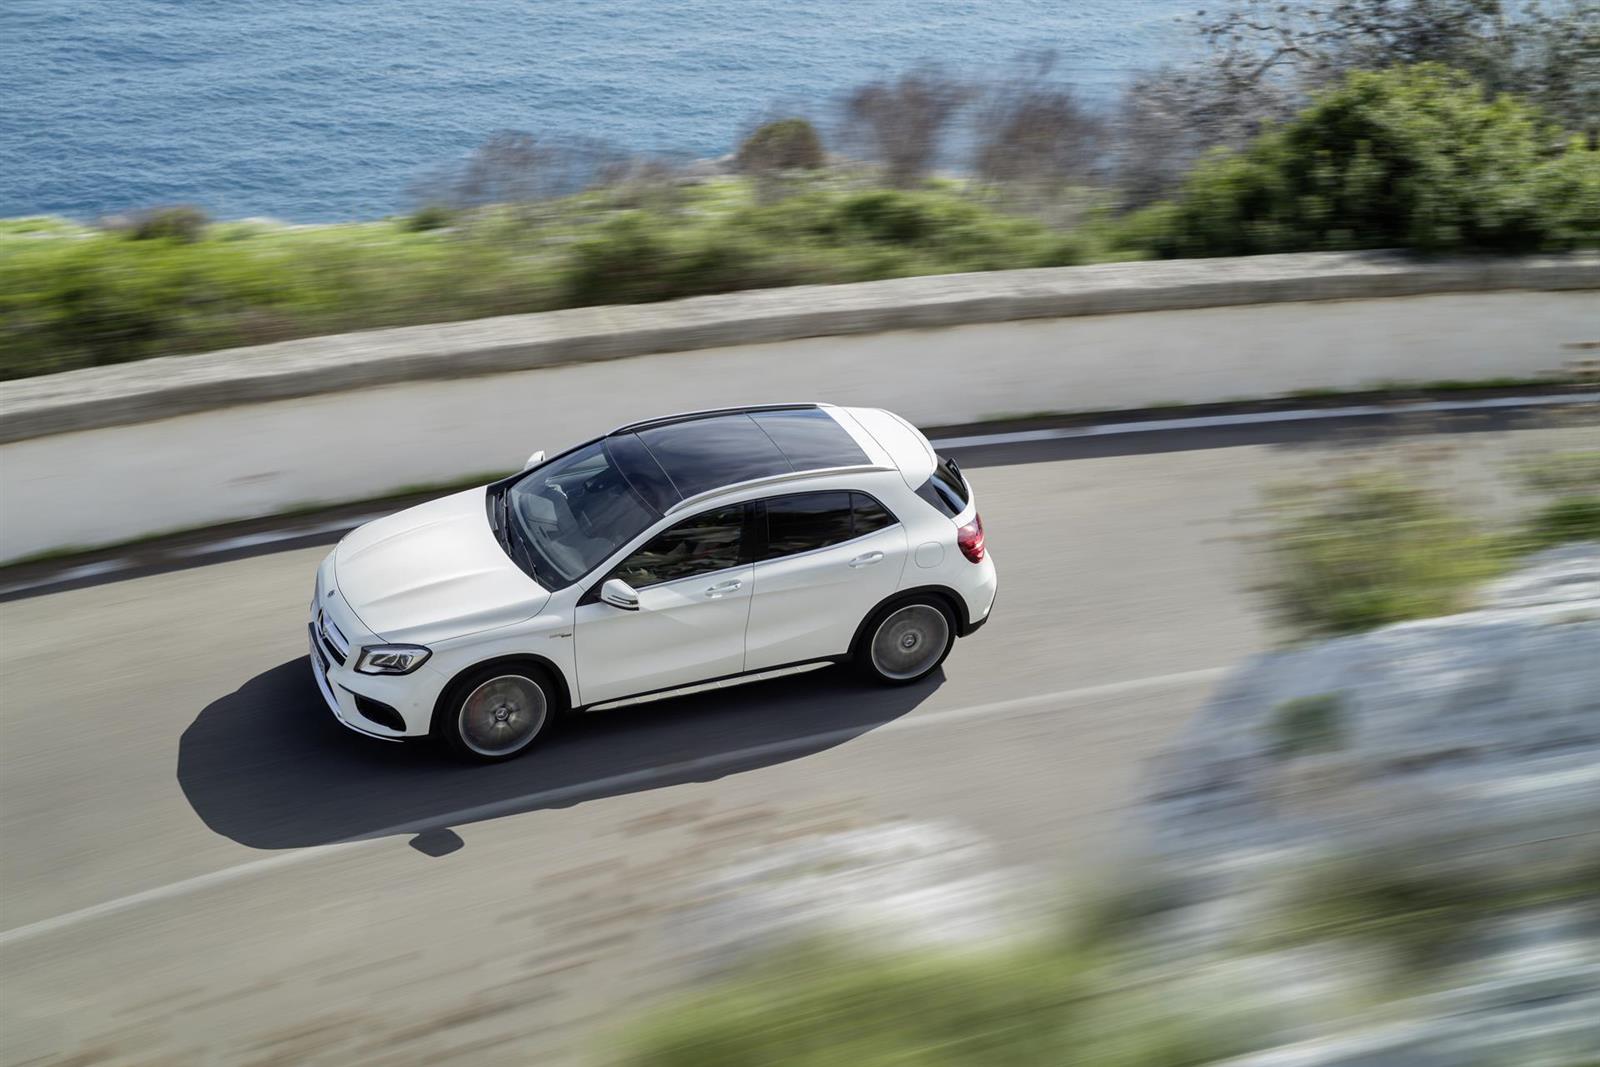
x=1309 y=724
x=815 y=1008
x=1415 y=158
x=784 y=144
x=1438 y=126
x=1382 y=543
x=180 y=222
x=1424 y=918
x=1369 y=548
x=72 y=296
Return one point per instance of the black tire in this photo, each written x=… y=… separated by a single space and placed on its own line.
x=498 y=712
x=901 y=643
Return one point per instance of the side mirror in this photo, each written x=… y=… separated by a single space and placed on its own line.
x=619 y=594
x=534 y=460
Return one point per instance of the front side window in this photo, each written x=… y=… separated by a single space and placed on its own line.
x=709 y=542
x=564 y=518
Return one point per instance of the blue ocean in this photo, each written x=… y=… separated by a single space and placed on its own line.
x=312 y=110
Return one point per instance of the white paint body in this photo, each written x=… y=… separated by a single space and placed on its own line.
x=259 y=459
x=434 y=575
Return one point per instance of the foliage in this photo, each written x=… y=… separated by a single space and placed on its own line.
x=1422 y=916
x=1032 y=131
x=1561 y=521
x=1308 y=724
x=86 y=299
x=786 y=144
x=1259 y=53
x=72 y=297
x=429 y=217
x=1415 y=158
x=1566 y=194
x=812 y=1008
x=1370 y=548
x=180 y=222
x=904 y=122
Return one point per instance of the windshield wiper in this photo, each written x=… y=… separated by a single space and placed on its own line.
x=512 y=539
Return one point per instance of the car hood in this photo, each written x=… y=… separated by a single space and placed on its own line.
x=432 y=572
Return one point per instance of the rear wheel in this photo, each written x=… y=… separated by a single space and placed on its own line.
x=497 y=713
x=906 y=641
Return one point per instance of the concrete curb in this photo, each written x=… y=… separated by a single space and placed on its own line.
x=176 y=385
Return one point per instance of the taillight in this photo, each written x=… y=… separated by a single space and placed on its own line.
x=970 y=538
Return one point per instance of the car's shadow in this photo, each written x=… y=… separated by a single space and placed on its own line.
x=268 y=766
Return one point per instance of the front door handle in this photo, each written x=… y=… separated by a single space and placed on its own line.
x=867 y=559
x=723 y=589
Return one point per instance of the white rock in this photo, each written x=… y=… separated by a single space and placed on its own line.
x=1471 y=734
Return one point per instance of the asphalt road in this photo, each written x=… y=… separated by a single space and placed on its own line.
x=198 y=865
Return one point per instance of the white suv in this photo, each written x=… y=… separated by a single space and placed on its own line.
x=666 y=554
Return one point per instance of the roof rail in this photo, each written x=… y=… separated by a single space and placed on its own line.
x=691 y=416
x=776 y=479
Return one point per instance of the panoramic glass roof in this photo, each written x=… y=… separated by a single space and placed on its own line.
x=701 y=454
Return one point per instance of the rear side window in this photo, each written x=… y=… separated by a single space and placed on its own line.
x=946 y=489
x=868 y=515
x=808 y=521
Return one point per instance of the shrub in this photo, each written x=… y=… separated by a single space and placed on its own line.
x=1566 y=192
x=636 y=259
x=787 y=144
x=1369 y=549
x=181 y=222
x=428 y=217
x=811 y=1009
x=1308 y=724
x=1412 y=157
x=885 y=215
x=904 y=122
x=1424 y=916
x=1561 y=521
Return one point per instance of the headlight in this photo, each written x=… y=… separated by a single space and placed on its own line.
x=391 y=659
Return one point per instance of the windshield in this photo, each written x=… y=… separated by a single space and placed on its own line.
x=571 y=514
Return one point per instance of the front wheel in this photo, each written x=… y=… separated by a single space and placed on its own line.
x=497 y=713
x=906 y=641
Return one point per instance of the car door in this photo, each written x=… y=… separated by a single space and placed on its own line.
x=694 y=581
x=826 y=559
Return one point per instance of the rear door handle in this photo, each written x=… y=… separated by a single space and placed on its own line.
x=867 y=559
x=724 y=588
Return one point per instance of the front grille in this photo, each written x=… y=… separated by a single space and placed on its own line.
x=333 y=642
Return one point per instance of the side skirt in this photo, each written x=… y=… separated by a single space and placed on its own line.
x=725 y=682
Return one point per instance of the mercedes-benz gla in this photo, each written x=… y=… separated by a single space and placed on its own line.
x=666 y=554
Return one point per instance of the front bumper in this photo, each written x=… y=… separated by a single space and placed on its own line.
x=331 y=692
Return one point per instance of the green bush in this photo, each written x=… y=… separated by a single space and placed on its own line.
x=787 y=144
x=1561 y=521
x=428 y=217
x=1566 y=192
x=1414 y=157
x=181 y=222
x=1369 y=549
x=1309 y=724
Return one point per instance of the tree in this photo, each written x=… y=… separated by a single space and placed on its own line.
x=1265 y=58
x=1032 y=132
x=904 y=121
x=1414 y=157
